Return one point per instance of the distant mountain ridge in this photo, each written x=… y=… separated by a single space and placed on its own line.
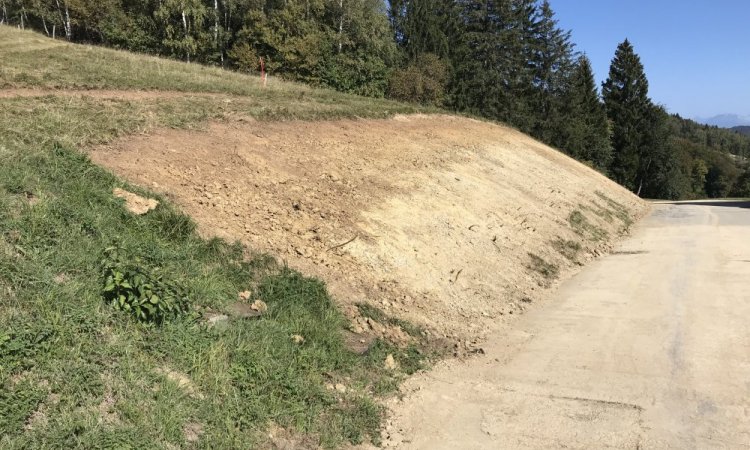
x=742 y=130
x=726 y=120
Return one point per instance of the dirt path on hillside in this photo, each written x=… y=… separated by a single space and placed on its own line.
x=109 y=94
x=432 y=218
x=648 y=348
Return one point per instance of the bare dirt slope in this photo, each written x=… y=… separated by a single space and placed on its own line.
x=432 y=218
x=645 y=349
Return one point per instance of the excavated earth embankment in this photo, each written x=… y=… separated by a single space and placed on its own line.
x=451 y=223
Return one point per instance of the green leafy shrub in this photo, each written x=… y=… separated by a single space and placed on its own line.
x=141 y=291
x=421 y=82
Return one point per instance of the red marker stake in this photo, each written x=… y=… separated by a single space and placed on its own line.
x=263 y=76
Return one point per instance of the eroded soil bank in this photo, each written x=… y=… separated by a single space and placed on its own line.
x=451 y=223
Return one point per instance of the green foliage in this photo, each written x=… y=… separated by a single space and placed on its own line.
x=548 y=270
x=17 y=404
x=104 y=381
x=742 y=186
x=423 y=81
x=618 y=209
x=506 y=60
x=423 y=27
x=379 y=316
x=182 y=23
x=141 y=291
x=743 y=130
x=585 y=130
x=584 y=228
x=569 y=249
x=625 y=95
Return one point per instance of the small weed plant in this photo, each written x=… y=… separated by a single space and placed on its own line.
x=141 y=291
x=569 y=249
x=548 y=270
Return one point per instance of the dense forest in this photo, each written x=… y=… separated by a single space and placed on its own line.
x=506 y=60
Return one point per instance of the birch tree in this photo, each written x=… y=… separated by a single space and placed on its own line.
x=183 y=26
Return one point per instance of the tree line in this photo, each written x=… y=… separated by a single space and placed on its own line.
x=507 y=60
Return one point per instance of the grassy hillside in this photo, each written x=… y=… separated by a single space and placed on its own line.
x=76 y=372
x=31 y=60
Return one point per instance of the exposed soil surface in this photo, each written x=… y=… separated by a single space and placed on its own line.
x=646 y=348
x=444 y=221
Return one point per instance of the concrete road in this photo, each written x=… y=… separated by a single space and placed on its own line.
x=646 y=348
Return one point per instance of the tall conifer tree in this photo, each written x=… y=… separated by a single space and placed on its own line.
x=552 y=61
x=584 y=131
x=425 y=26
x=628 y=106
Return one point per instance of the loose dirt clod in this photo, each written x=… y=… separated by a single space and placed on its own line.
x=260 y=306
x=135 y=203
x=183 y=381
x=390 y=363
x=192 y=431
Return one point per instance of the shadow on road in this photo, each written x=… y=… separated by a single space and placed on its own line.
x=719 y=203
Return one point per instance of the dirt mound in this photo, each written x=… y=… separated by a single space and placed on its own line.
x=452 y=223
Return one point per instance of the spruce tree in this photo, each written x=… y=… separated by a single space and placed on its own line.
x=628 y=106
x=659 y=174
x=584 y=132
x=424 y=26
x=551 y=58
x=484 y=60
x=493 y=76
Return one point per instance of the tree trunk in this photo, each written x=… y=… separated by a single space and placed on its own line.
x=65 y=19
x=341 y=24
x=187 y=33
x=68 y=28
x=44 y=24
x=643 y=177
x=5 y=13
x=219 y=45
x=216 y=22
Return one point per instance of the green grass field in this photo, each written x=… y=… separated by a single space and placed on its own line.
x=74 y=371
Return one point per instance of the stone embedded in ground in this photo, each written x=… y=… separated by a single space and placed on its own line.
x=359 y=343
x=298 y=339
x=242 y=310
x=215 y=319
x=135 y=203
x=245 y=295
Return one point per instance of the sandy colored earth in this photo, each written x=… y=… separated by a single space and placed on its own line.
x=431 y=218
x=646 y=348
x=135 y=203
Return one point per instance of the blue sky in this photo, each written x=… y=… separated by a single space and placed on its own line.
x=696 y=52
